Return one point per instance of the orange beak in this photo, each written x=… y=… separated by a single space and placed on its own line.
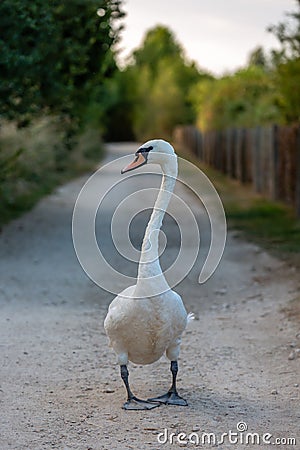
x=139 y=161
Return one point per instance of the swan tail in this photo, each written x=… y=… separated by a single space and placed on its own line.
x=190 y=318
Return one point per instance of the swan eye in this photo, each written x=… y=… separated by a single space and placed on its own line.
x=144 y=150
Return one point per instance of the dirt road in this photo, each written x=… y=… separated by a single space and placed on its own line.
x=59 y=384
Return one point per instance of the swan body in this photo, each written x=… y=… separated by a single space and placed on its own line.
x=146 y=320
x=141 y=330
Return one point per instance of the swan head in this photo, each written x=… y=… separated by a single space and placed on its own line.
x=156 y=151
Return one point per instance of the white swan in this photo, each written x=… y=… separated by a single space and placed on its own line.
x=148 y=319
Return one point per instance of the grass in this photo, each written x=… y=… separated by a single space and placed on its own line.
x=43 y=162
x=270 y=224
x=22 y=203
x=273 y=225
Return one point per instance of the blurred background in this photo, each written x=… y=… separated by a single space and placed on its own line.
x=219 y=80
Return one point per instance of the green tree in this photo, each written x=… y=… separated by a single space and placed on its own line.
x=258 y=58
x=54 y=55
x=118 y=120
x=161 y=79
x=159 y=43
x=288 y=80
x=246 y=98
x=287 y=62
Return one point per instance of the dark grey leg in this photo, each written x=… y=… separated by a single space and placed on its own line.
x=171 y=397
x=132 y=401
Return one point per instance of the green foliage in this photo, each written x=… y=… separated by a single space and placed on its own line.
x=288 y=81
x=159 y=79
x=269 y=223
x=22 y=44
x=159 y=44
x=264 y=92
x=54 y=54
x=34 y=159
x=56 y=63
x=8 y=166
x=119 y=118
x=287 y=63
x=246 y=98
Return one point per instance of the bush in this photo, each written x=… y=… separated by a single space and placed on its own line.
x=35 y=159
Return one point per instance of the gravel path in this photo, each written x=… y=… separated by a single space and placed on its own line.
x=59 y=384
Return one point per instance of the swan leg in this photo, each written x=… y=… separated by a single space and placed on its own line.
x=171 y=397
x=134 y=403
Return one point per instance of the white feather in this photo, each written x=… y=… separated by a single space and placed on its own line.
x=190 y=317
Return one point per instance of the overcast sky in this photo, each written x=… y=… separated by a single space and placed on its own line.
x=217 y=34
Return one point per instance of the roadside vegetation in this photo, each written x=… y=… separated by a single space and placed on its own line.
x=269 y=224
x=57 y=62
x=62 y=94
x=36 y=158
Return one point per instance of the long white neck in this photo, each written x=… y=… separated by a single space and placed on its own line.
x=150 y=277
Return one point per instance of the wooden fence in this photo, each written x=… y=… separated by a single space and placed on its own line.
x=266 y=157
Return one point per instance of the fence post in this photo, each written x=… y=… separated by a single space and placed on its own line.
x=232 y=153
x=240 y=155
x=248 y=156
x=223 y=147
x=199 y=145
x=204 y=146
x=274 y=166
x=228 y=151
x=257 y=160
x=298 y=173
x=219 y=150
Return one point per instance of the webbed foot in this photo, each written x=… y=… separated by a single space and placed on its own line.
x=135 y=403
x=170 y=398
